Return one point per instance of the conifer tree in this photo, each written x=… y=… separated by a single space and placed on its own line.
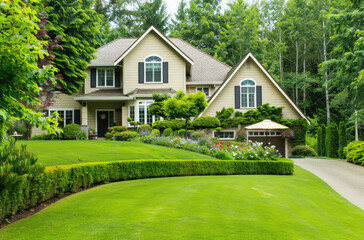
x=342 y=139
x=319 y=141
x=323 y=140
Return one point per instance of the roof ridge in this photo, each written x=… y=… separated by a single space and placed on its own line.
x=120 y=38
x=203 y=51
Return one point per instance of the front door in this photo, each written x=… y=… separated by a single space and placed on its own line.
x=102 y=123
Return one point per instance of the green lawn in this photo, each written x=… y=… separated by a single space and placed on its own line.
x=68 y=152
x=300 y=206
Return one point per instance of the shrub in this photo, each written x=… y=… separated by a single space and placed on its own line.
x=218 y=129
x=45 y=136
x=125 y=136
x=354 y=152
x=144 y=129
x=238 y=114
x=174 y=124
x=168 y=132
x=342 y=139
x=225 y=113
x=332 y=141
x=71 y=131
x=83 y=135
x=181 y=132
x=222 y=155
x=156 y=132
x=197 y=135
x=302 y=150
x=117 y=129
x=206 y=122
x=56 y=181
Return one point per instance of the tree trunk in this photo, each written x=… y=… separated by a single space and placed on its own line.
x=304 y=71
x=296 y=72
x=280 y=58
x=326 y=77
x=186 y=128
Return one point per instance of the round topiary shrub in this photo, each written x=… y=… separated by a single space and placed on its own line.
x=71 y=131
x=222 y=155
x=168 y=132
x=144 y=129
x=206 y=122
x=156 y=132
x=303 y=151
x=181 y=132
x=117 y=129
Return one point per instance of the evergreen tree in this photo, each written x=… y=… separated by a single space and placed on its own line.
x=332 y=141
x=323 y=140
x=342 y=139
x=153 y=13
x=180 y=15
x=77 y=23
x=319 y=141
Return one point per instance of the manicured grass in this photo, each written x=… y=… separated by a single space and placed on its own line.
x=69 y=152
x=300 y=206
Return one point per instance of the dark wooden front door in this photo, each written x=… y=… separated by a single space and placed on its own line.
x=102 y=123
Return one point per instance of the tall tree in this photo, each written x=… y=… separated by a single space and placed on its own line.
x=202 y=25
x=77 y=23
x=153 y=13
x=179 y=16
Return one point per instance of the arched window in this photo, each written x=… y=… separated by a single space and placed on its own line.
x=153 y=69
x=247 y=93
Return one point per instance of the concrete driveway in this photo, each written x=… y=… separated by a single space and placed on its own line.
x=345 y=178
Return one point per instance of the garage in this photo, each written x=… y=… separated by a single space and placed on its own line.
x=269 y=133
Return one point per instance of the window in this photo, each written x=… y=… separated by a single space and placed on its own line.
x=205 y=90
x=224 y=135
x=144 y=116
x=105 y=77
x=132 y=112
x=247 y=94
x=65 y=116
x=153 y=69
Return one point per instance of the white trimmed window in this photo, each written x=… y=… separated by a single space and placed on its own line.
x=205 y=90
x=132 y=112
x=153 y=69
x=247 y=88
x=144 y=116
x=105 y=77
x=65 y=116
x=225 y=135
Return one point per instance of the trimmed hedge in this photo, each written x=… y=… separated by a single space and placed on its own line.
x=206 y=122
x=57 y=180
x=355 y=152
x=302 y=150
x=174 y=124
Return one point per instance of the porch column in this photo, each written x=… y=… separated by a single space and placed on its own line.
x=286 y=147
x=124 y=115
x=84 y=115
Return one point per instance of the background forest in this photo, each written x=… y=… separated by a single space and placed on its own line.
x=313 y=48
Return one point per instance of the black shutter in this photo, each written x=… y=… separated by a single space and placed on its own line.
x=259 y=96
x=77 y=117
x=165 y=72
x=93 y=77
x=141 y=72
x=117 y=77
x=237 y=96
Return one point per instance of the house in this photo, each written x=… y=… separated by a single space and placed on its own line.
x=121 y=80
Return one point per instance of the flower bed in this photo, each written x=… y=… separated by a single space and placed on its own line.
x=250 y=151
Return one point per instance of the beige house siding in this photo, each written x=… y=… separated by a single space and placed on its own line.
x=193 y=89
x=153 y=45
x=66 y=101
x=87 y=85
x=270 y=93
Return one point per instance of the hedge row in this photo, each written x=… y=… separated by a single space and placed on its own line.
x=57 y=180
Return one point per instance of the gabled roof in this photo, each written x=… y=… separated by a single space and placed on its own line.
x=152 y=28
x=266 y=125
x=236 y=68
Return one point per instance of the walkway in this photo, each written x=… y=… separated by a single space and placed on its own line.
x=345 y=178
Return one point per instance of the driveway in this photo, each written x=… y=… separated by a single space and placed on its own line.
x=345 y=178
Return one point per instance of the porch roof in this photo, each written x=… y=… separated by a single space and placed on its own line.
x=266 y=125
x=149 y=92
x=105 y=94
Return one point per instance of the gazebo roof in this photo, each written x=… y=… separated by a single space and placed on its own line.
x=266 y=125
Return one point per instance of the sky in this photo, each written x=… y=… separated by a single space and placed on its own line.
x=172 y=5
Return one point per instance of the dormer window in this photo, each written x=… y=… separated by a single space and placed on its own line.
x=105 y=77
x=153 y=69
